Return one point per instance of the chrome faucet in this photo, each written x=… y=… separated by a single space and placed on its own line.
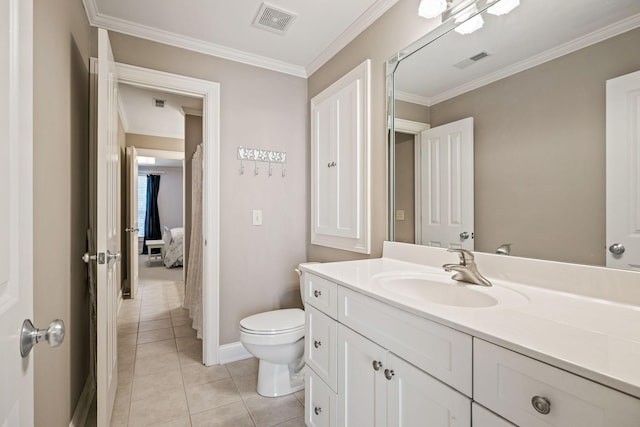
x=466 y=271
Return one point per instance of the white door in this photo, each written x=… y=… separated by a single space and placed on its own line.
x=447 y=188
x=415 y=398
x=361 y=387
x=623 y=172
x=106 y=199
x=132 y=219
x=16 y=209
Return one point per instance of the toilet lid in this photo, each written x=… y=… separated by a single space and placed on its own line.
x=274 y=321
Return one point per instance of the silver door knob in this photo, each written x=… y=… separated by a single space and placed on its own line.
x=86 y=257
x=617 y=249
x=377 y=365
x=464 y=235
x=30 y=335
x=388 y=373
x=131 y=230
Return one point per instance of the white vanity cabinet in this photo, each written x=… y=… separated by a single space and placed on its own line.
x=531 y=393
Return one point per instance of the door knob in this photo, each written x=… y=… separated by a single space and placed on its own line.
x=464 y=235
x=617 y=249
x=30 y=335
x=131 y=230
x=100 y=257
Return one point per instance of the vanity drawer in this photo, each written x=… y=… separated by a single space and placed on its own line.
x=509 y=383
x=321 y=293
x=320 y=409
x=482 y=417
x=320 y=352
x=436 y=349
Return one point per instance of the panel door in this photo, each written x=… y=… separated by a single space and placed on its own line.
x=417 y=399
x=106 y=201
x=16 y=209
x=361 y=387
x=447 y=215
x=623 y=171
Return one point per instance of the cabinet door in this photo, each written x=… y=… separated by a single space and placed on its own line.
x=361 y=388
x=320 y=402
x=415 y=398
x=320 y=346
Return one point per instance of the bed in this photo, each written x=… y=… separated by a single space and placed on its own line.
x=173 y=241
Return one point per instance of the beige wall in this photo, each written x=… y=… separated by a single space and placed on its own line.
x=259 y=109
x=63 y=43
x=397 y=28
x=154 y=142
x=405 y=187
x=414 y=112
x=540 y=153
x=192 y=137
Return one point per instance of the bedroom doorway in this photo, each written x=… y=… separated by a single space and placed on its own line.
x=207 y=93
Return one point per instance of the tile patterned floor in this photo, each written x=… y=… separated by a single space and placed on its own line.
x=162 y=381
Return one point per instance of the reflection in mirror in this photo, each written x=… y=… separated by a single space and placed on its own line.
x=535 y=82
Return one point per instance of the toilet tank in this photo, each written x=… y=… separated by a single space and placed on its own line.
x=301 y=276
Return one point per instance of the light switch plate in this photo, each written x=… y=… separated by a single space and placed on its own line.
x=399 y=215
x=257 y=217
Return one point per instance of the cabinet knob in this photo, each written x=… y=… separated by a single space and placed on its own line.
x=541 y=404
x=317 y=344
x=377 y=365
x=317 y=293
x=332 y=164
x=317 y=410
x=388 y=373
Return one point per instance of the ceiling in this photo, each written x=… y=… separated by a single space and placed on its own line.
x=538 y=32
x=225 y=28
x=139 y=114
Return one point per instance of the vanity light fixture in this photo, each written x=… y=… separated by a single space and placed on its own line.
x=469 y=25
x=502 y=7
x=431 y=8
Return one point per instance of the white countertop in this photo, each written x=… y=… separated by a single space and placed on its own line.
x=594 y=338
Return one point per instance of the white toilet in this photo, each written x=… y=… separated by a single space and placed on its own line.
x=276 y=338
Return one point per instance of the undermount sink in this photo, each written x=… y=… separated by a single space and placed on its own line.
x=442 y=290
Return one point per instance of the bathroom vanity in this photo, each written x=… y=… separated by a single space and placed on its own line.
x=394 y=341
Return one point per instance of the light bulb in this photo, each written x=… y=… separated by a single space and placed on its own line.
x=502 y=7
x=468 y=26
x=431 y=8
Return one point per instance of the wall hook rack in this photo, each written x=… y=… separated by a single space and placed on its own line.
x=260 y=155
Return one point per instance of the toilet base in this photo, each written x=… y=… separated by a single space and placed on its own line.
x=275 y=380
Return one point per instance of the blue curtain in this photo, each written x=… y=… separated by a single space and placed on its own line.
x=152 y=230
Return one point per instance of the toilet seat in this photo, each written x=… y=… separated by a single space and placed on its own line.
x=273 y=327
x=274 y=322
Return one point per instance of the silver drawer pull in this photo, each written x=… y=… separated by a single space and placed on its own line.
x=541 y=404
x=317 y=293
x=317 y=410
x=317 y=344
x=388 y=373
x=377 y=365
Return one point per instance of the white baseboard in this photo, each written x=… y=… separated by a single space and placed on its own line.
x=84 y=404
x=233 y=352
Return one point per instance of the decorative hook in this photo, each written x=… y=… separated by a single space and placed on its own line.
x=284 y=171
x=270 y=169
x=241 y=168
x=256 y=170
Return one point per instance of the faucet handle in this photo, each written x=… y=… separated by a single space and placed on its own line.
x=466 y=256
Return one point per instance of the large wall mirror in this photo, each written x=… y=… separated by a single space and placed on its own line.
x=544 y=88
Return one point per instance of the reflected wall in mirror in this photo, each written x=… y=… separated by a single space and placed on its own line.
x=535 y=83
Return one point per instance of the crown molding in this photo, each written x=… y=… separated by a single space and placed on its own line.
x=374 y=12
x=149 y=33
x=414 y=99
x=592 y=38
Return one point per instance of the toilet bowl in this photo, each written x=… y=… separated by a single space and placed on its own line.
x=276 y=339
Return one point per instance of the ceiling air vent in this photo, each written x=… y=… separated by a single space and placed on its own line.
x=158 y=102
x=273 y=19
x=471 y=60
